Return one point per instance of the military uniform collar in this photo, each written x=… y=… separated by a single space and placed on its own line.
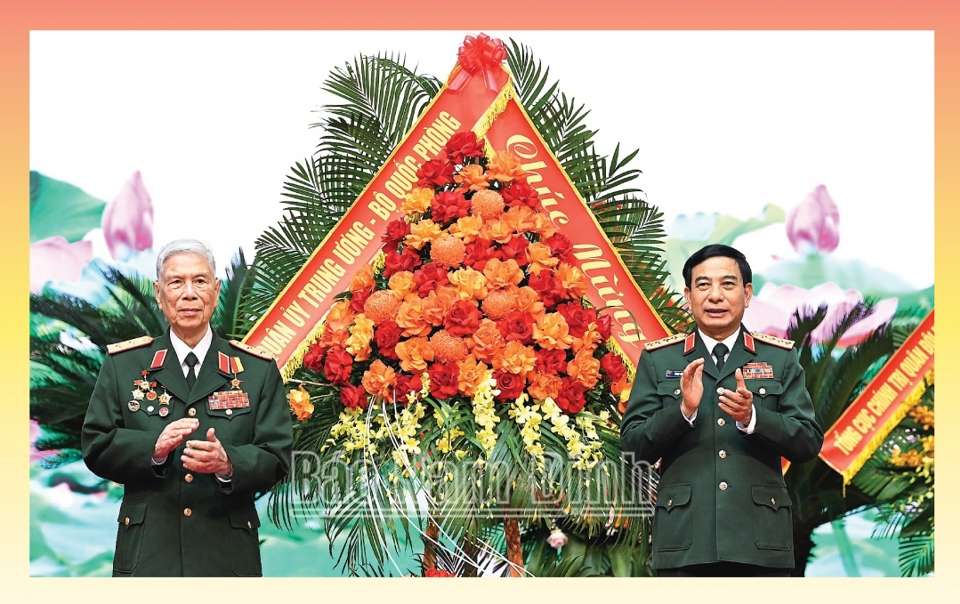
x=182 y=350
x=730 y=341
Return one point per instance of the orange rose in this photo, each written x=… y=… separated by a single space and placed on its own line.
x=470 y=283
x=541 y=258
x=421 y=233
x=300 y=403
x=417 y=201
x=515 y=358
x=543 y=225
x=438 y=303
x=619 y=386
x=590 y=340
x=497 y=230
x=358 y=344
x=584 y=368
x=340 y=315
x=572 y=279
x=472 y=374
x=505 y=167
x=414 y=354
x=528 y=300
x=379 y=380
x=363 y=278
x=520 y=219
x=467 y=228
x=410 y=318
x=551 y=332
x=402 y=283
x=543 y=385
x=503 y=274
x=472 y=177
x=333 y=337
x=487 y=341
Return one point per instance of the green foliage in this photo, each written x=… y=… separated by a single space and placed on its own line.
x=61 y=209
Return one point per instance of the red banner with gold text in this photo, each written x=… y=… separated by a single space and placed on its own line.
x=609 y=282
x=882 y=404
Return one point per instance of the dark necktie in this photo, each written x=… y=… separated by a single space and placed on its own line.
x=191 y=362
x=720 y=351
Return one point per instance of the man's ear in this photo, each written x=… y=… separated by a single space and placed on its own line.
x=748 y=294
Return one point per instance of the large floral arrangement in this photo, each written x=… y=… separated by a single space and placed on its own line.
x=469 y=340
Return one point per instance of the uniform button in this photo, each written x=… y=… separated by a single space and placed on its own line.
x=773 y=501
x=669 y=502
x=723 y=486
x=762 y=391
x=229 y=411
x=126 y=521
x=188 y=477
x=676 y=392
x=192 y=412
x=187 y=512
x=722 y=454
x=720 y=422
x=719 y=390
x=249 y=525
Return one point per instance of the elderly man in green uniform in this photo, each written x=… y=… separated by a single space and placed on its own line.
x=193 y=426
x=720 y=407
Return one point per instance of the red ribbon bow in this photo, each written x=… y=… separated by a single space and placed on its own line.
x=481 y=55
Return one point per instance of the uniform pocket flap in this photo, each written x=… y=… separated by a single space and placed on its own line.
x=132 y=513
x=244 y=518
x=771 y=495
x=674 y=496
x=229 y=413
x=671 y=388
x=764 y=387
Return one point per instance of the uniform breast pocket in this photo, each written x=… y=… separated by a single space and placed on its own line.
x=229 y=413
x=669 y=392
x=673 y=523
x=766 y=392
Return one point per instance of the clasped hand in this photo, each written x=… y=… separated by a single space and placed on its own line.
x=737 y=404
x=203 y=456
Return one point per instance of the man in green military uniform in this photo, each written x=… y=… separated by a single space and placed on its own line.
x=720 y=407
x=193 y=427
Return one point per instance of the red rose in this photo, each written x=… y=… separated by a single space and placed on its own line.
x=395 y=232
x=463 y=319
x=604 y=326
x=448 y=206
x=561 y=246
x=444 y=379
x=478 y=252
x=461 y=145
x=551 y=362
x=516 y=249
x=521 y=194
x=429 y=278
x=386 y=335
x=313 y=360
x=395 y=262
x=510 y=385
x=359 y=299
x=405 y=385
x=338 y=366
x=436 y=572
x=548 y=288
x=612 y=366
x=435 y=173
x=578 y=318
x=571 y=398
x=517 y=326
x=353 y=396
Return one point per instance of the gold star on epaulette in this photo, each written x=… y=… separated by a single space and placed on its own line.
x=677 y=337
x=255 y=351
x=129 y=344
x=773 y=340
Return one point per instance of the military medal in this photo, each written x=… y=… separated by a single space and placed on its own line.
x=757 y=371
x=228 y=399
x=133 y=406
x=164 y=411
x=138 y=394
x=165 y=398
x=232 y=365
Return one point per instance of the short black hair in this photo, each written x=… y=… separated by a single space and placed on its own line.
x=715 y=250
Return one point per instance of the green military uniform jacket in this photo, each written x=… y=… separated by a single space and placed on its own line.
x=173 y=522
x=721 y=494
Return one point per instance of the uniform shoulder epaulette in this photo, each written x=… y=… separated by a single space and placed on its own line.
x=768 y=339
x=129 y=344
x=255 y=351
x=677 y=337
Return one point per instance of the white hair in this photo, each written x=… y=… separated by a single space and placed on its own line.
x=185 y=246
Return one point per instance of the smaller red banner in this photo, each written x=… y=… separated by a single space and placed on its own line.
x=883 y=403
